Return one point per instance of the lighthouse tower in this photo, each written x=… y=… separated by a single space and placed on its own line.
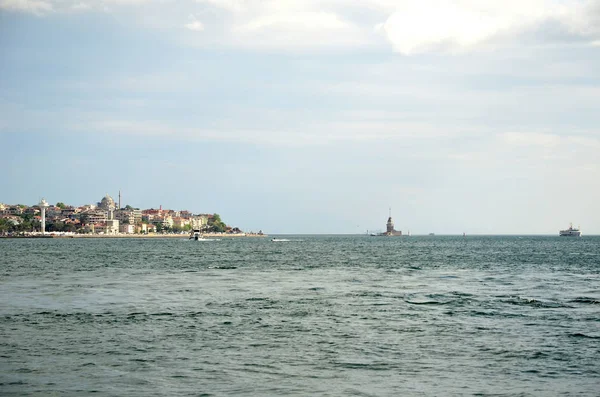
x=390 y=231
x=43 y=205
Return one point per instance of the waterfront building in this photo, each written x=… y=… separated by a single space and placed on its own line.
x=111 y=226
x=146 y=228
x=127 y=228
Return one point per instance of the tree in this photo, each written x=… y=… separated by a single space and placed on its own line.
x=61 y=205
x=5 y=225
x=56 y=227
x=128 y=207
x=215 y=224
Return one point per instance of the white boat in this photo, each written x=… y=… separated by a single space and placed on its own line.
x=197 y=235
x=570 y=232
x=278 y=240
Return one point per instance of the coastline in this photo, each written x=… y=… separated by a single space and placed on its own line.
x=140 y=236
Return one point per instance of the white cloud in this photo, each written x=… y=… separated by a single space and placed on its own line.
x=410 y=26
x=37 y=7
x=419 y=26
x=194 y=25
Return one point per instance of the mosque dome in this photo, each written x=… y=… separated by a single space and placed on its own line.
x=107 y=203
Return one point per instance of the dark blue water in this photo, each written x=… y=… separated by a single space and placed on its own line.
x=318 y=315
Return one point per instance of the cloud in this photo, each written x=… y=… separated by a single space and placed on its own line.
x=37 y=7
x=310 y=21
x=409 y=26
x=420 y=26
x=194 y=25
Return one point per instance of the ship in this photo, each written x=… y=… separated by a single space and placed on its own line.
x=570 y=232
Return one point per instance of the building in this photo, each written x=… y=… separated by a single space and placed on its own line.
x=127 y=228
x=181 y=222
x=130 y=216
x=93 y=217
x=199 y=221
x=165 y=221
x=13 y=210
x=390 y=231
x=112 y=226
x=107 y=203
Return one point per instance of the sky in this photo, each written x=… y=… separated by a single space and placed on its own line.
x=306 y=116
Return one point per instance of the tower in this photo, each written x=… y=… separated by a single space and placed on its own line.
x=390 y=224
x=120 y=200
x=43 y=205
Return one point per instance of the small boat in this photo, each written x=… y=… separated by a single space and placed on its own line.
x=279 y=239
x=197 y=235
x=570 y=232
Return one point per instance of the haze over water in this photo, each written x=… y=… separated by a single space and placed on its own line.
x=318 y=315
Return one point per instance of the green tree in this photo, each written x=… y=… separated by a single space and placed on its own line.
x=176 y=229
x=61 y=205
x=215 y=224
x=84 y=219
x=5 y=226
x=56 y=227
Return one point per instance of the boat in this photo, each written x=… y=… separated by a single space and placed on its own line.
x=570 y=232
x=278 y=240
x=197 y=235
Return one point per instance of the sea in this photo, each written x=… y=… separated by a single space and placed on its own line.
x=311 y=316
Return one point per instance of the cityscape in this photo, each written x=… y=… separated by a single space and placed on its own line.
x=106 y=217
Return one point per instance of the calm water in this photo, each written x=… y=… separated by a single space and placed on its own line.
x=319 y=315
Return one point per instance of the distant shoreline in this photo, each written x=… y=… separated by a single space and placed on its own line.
x=138 y=236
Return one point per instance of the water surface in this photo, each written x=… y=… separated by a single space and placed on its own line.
x=318 y=315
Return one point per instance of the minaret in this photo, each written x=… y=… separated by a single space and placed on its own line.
x=119 y=200
x=43 y=205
